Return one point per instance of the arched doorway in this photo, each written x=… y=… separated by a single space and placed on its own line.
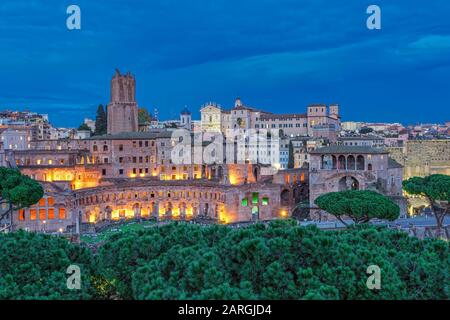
x=137 y=210
x=348 y=183
x=108 y=213
x=285 y=197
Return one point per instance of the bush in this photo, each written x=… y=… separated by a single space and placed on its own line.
x=33 y=266
x=275 y=261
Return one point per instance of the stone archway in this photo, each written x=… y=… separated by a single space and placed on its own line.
x=108 y=213
x=285 y=197
x=348 y=183
x=137 y=210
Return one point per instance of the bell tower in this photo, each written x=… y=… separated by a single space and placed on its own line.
x=122 y=108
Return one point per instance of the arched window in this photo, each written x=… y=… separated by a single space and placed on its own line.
x=342 y=163
x=360 y=163
x=105 y=148
x=369 y=167
x=351 y=164
x=95 y=148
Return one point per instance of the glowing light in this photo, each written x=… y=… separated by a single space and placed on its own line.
x=176 y=212
x=129 y=214
x=92 y=218
x=115 y=215
x=161 y=211
x=233 y=179
x=283 y=213
x=144 y=212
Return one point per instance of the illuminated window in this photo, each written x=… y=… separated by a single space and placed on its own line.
x=255 y=198
x=62 y=213
x=265 y=201
x=50 y=161
x=255 y=210
x=42 y=214
x=244 y=202
x=42 y=202
x=32 y=214
x=21 y=214
x=50 y=201
x=51 y=213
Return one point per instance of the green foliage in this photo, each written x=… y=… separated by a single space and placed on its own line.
x=184 y=261
x=33 y=266
x=144 y=116
x=291 y=162
x=365 y=130
x=435 y=187
x=359 y=205
x=84 y=127
x=18 y=190
x=276 y=261
x=100 y=121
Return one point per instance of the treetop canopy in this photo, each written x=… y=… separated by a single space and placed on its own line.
x=359 y=205
x=436 y=187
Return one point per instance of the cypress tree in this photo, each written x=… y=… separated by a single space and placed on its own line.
x=100 y=121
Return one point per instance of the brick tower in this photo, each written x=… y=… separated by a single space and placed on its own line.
x=122 y=109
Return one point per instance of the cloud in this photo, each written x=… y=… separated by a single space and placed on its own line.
x=183 y=52
x=431 y=44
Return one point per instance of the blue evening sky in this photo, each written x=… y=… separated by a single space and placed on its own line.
x=278 y=55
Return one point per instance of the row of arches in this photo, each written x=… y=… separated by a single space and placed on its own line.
x=93 y=199
x=160 y=209
x=341 y=162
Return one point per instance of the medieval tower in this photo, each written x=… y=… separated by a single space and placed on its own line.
x=122 y=109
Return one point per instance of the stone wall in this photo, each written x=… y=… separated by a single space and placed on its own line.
x=423 y=157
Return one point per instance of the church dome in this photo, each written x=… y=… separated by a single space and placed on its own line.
x=185 y=112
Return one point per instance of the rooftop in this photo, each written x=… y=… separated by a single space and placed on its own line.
x=134 y=135
x=393 y=164
x=360 y=138
x=349 y=149
x=282 y=116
